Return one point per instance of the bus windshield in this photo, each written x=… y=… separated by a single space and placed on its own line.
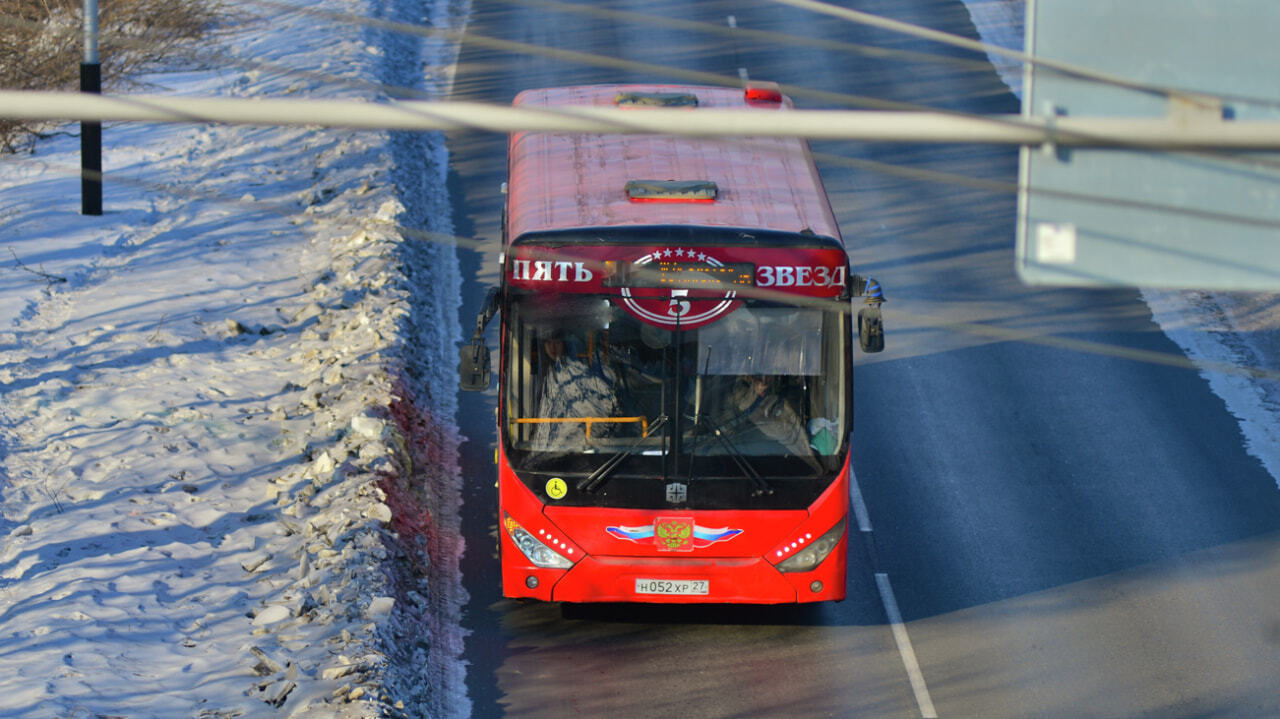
x=760 y=389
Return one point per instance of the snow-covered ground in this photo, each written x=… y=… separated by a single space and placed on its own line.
x=225 y=492
x=228 y=473
x=999 y=23
x=1214 y=329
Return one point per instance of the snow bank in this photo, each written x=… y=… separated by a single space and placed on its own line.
x=1237 y=330
x=228 y=451
x=1000 y=23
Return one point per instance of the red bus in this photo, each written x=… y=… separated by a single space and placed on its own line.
x=675 y=375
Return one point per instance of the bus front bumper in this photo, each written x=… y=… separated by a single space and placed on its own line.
x=678 y=581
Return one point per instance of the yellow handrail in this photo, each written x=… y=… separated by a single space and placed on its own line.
x=589 y=421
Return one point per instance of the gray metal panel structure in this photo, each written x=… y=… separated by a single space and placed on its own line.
x=1202 y=219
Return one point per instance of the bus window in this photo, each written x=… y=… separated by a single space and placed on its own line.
x=588 y=380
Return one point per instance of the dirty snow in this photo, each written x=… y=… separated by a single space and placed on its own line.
x=225 y=489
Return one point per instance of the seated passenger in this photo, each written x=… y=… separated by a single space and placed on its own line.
x=572 y=388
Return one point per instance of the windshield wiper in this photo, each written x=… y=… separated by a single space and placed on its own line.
x=762 y=487
x=593 y=481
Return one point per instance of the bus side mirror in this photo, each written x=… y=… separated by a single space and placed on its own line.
x=870 y=324
x=473 y=359
x=870 y=330
x=473 y=366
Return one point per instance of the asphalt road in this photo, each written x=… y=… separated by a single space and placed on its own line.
x=1053 y=530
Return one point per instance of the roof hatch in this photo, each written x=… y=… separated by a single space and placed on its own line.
x=671 y=190
x=655 y=99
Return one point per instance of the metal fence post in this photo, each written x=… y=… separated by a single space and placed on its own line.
x=91 y=132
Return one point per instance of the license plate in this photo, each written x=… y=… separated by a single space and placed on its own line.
x=673 y=586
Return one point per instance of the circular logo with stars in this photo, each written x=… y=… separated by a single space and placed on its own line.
x=684 y=307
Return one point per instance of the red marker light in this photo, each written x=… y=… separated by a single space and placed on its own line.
x=763 y=93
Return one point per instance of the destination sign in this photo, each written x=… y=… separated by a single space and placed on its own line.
x=685 y=274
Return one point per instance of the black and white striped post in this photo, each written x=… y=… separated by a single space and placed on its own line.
x=91 y=132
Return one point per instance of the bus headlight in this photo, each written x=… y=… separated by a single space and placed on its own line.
x=812 y=553
x=540 y=554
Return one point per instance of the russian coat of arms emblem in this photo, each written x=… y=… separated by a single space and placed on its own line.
x=673 y=534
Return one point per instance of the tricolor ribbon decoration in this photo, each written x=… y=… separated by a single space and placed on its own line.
x=674 y=534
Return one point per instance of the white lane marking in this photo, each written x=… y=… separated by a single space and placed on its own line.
x=859 y=506
x=904 y=647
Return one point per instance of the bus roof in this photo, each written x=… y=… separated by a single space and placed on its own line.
x=560 y=181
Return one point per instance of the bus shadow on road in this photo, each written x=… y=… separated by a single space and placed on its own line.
x=694 y=614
